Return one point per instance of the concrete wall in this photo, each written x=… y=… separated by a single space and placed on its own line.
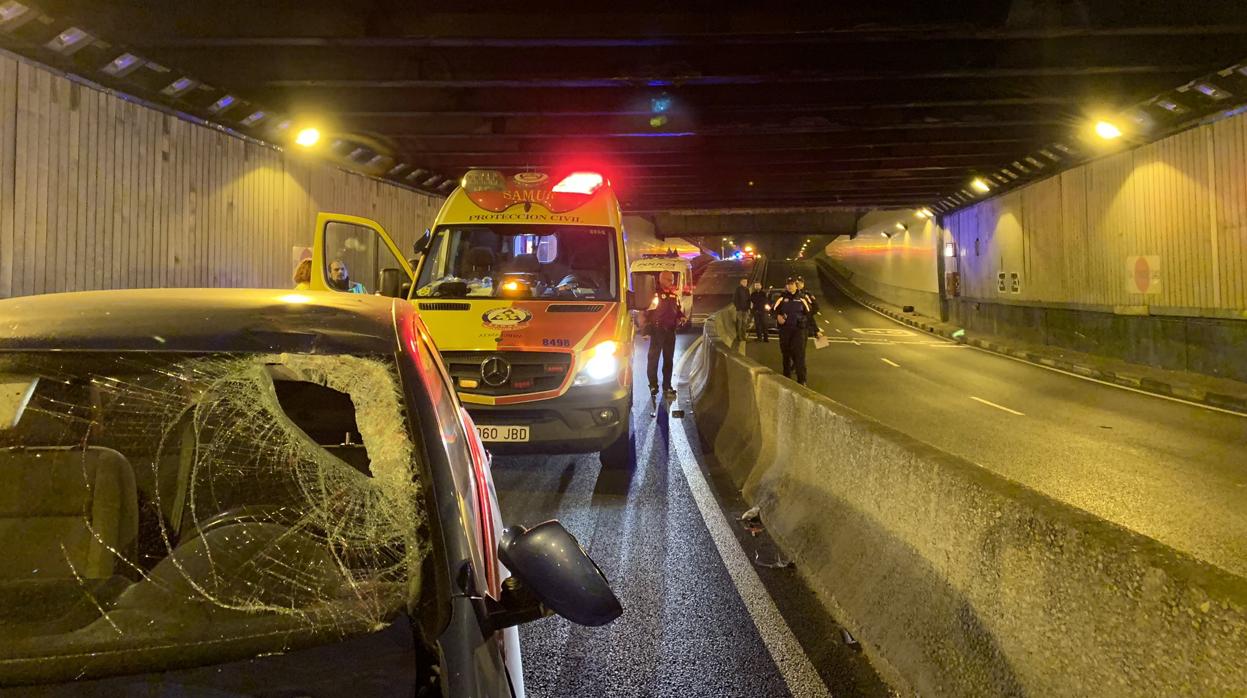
x=900 y=269
x=958 y=580
x=100 y=192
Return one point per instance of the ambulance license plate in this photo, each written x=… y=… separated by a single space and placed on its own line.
x=494 y=432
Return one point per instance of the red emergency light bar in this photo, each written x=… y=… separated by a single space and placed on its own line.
x=493 y=191
x=580 y=183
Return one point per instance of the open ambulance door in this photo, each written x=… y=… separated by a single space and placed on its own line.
x=372 y=261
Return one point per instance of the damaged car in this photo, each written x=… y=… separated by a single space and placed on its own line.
x=236 y=492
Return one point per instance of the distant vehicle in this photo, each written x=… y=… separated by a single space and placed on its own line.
x=232 y=492
x=523 y=283
x=645 y=271
x=772 y=327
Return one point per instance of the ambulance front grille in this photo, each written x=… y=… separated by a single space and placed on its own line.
x=445 y=306
x=530 y=371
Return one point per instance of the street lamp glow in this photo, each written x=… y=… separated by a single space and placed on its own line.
x=308 y=137
x=980 y=185
x=1107 y=130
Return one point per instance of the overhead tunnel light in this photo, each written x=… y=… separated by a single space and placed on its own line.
x=254 y=118
x=11 y=10
x=69 y=41
x=1107 y=130
x=1211 y=91
x=222 y=104
x=308 y=137
x=980 y=185
x=123 y=65
x=178 y=87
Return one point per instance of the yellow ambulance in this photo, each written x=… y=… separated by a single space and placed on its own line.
x=522 y=283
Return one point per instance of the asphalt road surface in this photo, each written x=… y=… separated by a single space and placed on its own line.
x=701 y=618
x=1173 y=471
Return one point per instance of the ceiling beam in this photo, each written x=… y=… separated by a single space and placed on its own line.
x=638 y=80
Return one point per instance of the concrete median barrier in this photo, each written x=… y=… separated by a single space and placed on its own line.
x=959 y=581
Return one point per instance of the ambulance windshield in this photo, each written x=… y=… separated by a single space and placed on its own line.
x=557 y=262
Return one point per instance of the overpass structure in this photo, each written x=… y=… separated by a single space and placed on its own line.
x=1061 y=184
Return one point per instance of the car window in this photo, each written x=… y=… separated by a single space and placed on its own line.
x=566 y=262
x=355 y=255
x=180 y=510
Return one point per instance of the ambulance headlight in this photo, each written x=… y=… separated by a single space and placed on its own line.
x=602 y=366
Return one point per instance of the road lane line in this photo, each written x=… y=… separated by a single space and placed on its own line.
x=1054 y=369
x=890 y=362
x=1119 y=386
x=786 y=652
x=999 y=407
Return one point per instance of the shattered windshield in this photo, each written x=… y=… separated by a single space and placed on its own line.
x=520 y=261
x=178 y=510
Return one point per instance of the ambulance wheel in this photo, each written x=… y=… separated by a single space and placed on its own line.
x=620 y=453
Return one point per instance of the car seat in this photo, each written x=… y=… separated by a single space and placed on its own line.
x=588 y=263
x=524 y=264
x=64 y=511
x=479 y=262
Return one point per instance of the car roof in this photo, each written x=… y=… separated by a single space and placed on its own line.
x=200 y=320
x=661 y=264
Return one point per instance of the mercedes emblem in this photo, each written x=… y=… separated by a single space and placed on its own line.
x=495 y=371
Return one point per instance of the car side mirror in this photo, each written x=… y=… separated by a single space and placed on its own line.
x=392 y=282
x=421 y=245
x=551 y=571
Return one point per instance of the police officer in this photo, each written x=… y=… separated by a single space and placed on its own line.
x=792 y=314
x=758 y=303
x=812 y=327
x=663 y=318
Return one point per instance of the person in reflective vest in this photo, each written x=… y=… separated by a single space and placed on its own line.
x=663 y=319
x=792 y=315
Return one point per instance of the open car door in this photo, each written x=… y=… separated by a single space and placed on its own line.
x=355 y=255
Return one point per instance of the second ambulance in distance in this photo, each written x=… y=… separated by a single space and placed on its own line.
x=522 y=282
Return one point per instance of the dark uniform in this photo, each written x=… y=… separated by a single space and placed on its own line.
x=811 y=329
x=792 y=332
x=757 y=302
x=663 y=320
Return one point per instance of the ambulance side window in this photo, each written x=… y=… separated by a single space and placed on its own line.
x=354 y=258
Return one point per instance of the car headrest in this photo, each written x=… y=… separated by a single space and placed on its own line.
x=524 y=264
x=480 y=257
x=588 y=257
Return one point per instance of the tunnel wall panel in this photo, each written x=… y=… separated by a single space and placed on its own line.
x=1072 y=238
x=899 y=269
x=101 y=192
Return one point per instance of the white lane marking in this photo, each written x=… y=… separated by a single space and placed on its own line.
x=890 y=362
x=785 y=651
x=1114 y=385
x=857 y=343
x=884 y=331
x=999 y=407
x=1071 y=374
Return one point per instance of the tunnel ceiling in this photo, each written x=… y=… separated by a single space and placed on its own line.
x=877 y=104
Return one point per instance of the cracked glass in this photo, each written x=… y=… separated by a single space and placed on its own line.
x=159 y=511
